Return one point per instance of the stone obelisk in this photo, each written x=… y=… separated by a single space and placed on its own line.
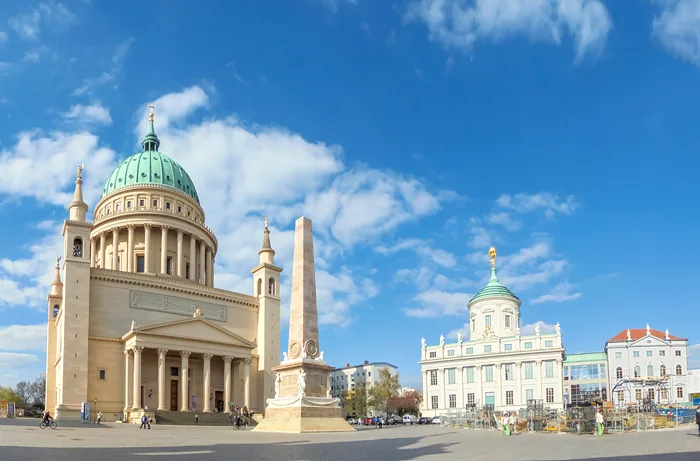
x=303 y=401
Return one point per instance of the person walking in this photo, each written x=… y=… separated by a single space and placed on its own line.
x=196 y=420
x=144 y=422
x=150 y=420
x=99 y=418
x=512 y=422
x=504 y=424
x=697 y=418
x=600 y=422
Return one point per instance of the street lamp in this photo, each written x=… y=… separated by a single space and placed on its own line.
x=95 y=410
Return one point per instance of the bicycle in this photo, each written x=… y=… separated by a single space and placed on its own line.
x=242 y=425
x=51 y=424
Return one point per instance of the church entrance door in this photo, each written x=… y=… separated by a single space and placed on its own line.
x=219 y=399
x=173 y=395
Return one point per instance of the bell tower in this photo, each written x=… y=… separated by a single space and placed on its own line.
x=54 y=301
x=266 y=286
x=73 y=322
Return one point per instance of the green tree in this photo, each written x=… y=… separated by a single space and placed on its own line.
x=386 y=387
x=408 y=403
x=7 y=394
x=24 y=390
x=37 y=391
x=359 y=400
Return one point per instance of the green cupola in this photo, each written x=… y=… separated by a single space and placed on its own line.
x=494 y=287
x=150 y=167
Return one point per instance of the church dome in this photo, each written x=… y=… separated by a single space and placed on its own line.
x=150 y=167
x=493 y=289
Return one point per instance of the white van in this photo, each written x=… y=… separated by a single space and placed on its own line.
x=409 y=419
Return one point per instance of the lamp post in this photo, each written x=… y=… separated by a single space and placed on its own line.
x=95 y=410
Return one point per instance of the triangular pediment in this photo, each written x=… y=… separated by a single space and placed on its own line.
x=197 y=329
x=648 y=340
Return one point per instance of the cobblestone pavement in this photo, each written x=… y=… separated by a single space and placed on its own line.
x=22 y=440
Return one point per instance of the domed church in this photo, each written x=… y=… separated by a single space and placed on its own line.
x=136 y=324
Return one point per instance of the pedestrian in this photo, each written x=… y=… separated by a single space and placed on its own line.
x=600 y=422
x=697 y=419
x=196 y=420
x=504 y=424
x=150 y=420
x=144 y=422
x=512 y=422
x=99 y=417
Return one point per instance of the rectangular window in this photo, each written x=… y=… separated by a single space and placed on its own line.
x=452 y=376
x=434 y=402
x=549 y=343
x=173 y=371
x=662 y=353
x=187 y=270
x=649 y=353
x=618 y=355
x=140 y=263
x=635 y=353
x=470 y=374
x=638 y=395
x=179 y=209
x=507 y=347
x=487 y=321
x=549 y=392
x=488 y=373
x=529 y=394
x=469 y=350
x=664 y=394
x=155 y=203
x=470 y=399
x=549 y=369
x=566 y=373
x=453 y=400
x=169 y=265
x=620 y=396
x=602 y=370
x=507 y=321
x=103 y=374
x=679 y=392
x=451 y=353
x=528 y=344
x=678 y=353
x=167 y=205
x=142 y=202
x=433 y=378
x=487 y=349
x=529 y=373
x=116 y=207
x=509 y=372
x=509 y=397
x=128 y=204
x=433 y=355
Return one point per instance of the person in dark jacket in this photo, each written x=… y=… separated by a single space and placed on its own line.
x=697 y=418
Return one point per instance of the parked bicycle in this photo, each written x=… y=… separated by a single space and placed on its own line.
x=45 y=424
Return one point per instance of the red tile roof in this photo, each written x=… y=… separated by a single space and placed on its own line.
x=639 y=333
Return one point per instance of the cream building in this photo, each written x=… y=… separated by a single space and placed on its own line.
x=346 y=381
x=498 y=366
x=136 y=322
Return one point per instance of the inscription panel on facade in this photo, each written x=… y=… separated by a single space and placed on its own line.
x=176 y=305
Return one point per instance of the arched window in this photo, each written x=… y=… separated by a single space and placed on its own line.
x=259 y=292
x=271 y=286
x=662 y=370
x=637 y=372
x=78 y=247
x=679 y=370
x=618 y=372
x=55 y=310
x=650 y=371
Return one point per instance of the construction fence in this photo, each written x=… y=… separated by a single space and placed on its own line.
x=576 y=420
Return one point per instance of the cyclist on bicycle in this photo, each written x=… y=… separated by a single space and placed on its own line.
x=47 y=418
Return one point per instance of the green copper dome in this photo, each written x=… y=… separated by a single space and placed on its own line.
x=150 y=167
x=493 y=289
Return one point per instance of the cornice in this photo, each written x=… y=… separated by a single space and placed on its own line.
x=490 y=357
x=158 y=187
x=136 y=335
x=104 y=339
x=266 y=266
x=178 y=285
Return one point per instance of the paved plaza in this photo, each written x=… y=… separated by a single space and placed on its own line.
x=22 y=440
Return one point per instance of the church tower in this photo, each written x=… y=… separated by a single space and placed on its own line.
x=54 y=301
x=71 y=374
x=266 y=277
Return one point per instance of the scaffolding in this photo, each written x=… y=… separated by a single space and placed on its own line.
x=657 y=383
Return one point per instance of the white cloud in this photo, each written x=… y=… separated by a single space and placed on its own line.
x=677 y=27
x=504 y=219
x=420 y=277
x=527 y=255
x=460 y=24
x=560 y=293
x=54 y=14
x=13 y=360
x=110 y=75
x=172 y=108
x=440 y=257
x=438 y=303
x=526 y=203
x=23 y=337
x=545 y=328
x=4 y=38
x=464 y=329
x=89 y=114
x=521 y=281
x=480 y=236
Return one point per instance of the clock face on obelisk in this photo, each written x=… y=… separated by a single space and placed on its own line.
x=311 y=349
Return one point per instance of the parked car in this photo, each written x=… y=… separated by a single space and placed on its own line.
x=409 y=419
x=435 y=420
x=424 y=420
x=351 y=421
x=394 y=420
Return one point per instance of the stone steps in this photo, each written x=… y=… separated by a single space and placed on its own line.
x=186 y=418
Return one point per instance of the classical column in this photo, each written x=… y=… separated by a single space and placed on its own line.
x=246 y=383
x=103 y=250
x=193 y=258
x=538 y=378
x=147 y=250
x=207 y=382
x=426 y=398
x=137 y=377
x=202 y=263
x=517 y=398
x=93 y=252
x=208 y=273
x=180 y=267
x=161 y=379
x=164 y=249
x=213 y=263
x=130 y=248
x=227 y=381
x=441 y=384
x=127 y=382
x=184 y=377
x=115 y=250
x=460 y=380
x=479 y=390
x=499 y=386
x=560 y=382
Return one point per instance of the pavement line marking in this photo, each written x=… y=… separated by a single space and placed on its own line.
x=174 y=453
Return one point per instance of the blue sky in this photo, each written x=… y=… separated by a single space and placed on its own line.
x=415 y=134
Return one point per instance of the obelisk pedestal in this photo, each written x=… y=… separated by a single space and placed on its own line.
x=303 y=401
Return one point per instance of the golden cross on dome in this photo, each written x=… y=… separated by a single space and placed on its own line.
x=151 y=115
x=492 y=253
